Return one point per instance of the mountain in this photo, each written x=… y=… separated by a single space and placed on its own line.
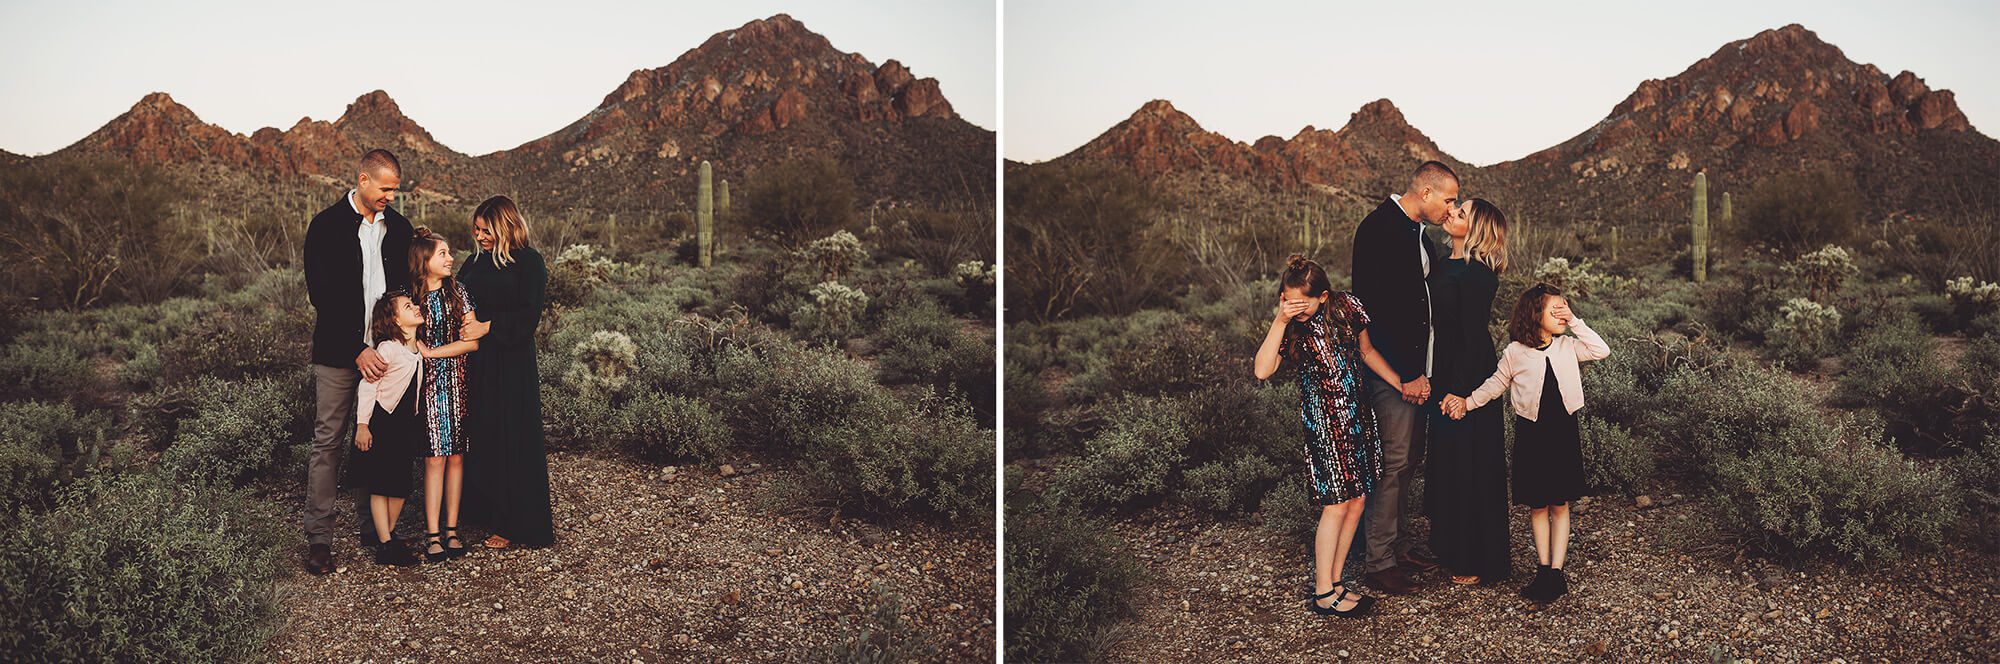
x=1778 y=101
x=1375 y=147
x=747 y=98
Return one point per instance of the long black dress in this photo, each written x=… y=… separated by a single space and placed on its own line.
x=507 y=479
x=1465 y=487
x=1548 y=452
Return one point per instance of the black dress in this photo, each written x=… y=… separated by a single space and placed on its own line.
x=1548 y=457
x=384 y=469
x=1465 y=483
x=507 y=480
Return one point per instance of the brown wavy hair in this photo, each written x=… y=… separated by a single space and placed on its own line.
x=423 y=243
x=510 y=229
x=1524 y=326
x=1486 y=235
x=1301 y=272
x=383 y=321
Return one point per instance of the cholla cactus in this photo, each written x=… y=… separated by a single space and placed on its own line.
x=973 y=274
x=1823 y=271
x=603 y=364
x=834 y=312
x=1972 y=292
x=836 y=254
x=1577 y=280
x=1803 y=333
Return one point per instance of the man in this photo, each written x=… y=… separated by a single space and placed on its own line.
x=1391 y=260
x=356 y=250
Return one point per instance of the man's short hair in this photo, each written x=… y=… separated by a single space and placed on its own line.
x=1433 y=174
x=378 y=159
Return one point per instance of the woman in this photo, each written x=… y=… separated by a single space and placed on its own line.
x=508 y=481
x=1466 y=484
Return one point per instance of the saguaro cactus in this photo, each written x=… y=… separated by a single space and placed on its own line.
x=722 y=208
x=1725 y=213
x=704 y=232
x=1614 y=244
x=1700 y=227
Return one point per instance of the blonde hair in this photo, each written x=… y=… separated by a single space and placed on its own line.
x=1486 y=235
x=510 y=231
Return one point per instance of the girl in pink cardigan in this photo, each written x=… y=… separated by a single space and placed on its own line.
x=1541 y=367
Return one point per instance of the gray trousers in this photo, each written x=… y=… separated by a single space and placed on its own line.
x=1402 y=426
x=333 y=427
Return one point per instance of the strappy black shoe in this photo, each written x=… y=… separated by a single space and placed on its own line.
x=451 y=536
x=1362 y=603
x=394 y=553
x=1536 y=586
x=431 y=539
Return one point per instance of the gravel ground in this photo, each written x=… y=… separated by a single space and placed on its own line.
x=1232 y=591
x=650 y=565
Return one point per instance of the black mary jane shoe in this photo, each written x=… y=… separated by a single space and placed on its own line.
x=430 y=540
x=1340 y=593
x=395 y=553
x=451 y=537
x=1538 y=585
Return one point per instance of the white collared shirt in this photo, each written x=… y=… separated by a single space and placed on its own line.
x=1424 y=258
x=373 y=282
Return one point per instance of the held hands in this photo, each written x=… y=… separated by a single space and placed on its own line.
x=371 y=364
x=1417 y=391
x=473 y=329
x=362 y=438
x=1453 y=406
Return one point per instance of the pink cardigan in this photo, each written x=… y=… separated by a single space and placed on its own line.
x=1521 y=368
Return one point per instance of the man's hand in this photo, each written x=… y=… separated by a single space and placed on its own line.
x=1417 y=391
x=371 y=364
x=1453 y=406
x=472 y=330
x=362 y=438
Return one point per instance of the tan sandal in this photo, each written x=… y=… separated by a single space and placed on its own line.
x=496 y=542
x=1465 y=580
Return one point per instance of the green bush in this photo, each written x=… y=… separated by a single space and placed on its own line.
x=242 y=431
x=576 y=272
x=233 y=343
x=832 y=312
x=885 y=636
x=661 y=428
x=44 y=444
x=1893 y=369
x=1067 y=586
x=1288 y=509
x=1132 y=462
x=141 y=569
x=47 y=371
x=1702 y=417
x=921 y=344
x=1225 y=487
x=1796 y=210
x=835 y=256
x=1181 y=358
x=1079 y=242
x=1612 y=459
x=797 y=201
x=1823 y=272
x=1804 y=333
x=1847 y=495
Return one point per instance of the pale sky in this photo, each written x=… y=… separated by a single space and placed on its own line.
x=1517 y=76
x=481 y=76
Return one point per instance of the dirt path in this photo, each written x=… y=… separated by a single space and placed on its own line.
x=1230 y=591
x=650 y=566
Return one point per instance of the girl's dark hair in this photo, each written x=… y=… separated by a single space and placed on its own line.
x=1525 y=325
x=1303 y=273
x=383 y=321
x=423 y=243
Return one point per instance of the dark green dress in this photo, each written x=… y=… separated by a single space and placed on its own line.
x=507 y=479
x=1465 y=484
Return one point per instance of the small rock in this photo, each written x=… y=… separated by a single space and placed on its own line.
x=414 y=644
x=680 y=638
x=727 y=470
x=796 y=585
x=1342 y=654
x=1773 y=614
x=569 y=594
x=884 y=567
x=1427 y=639
x=499 y=607
x=955 y=607
x=734 y=597
x=1823 y=614
x=595 y=518
x=398 y=600
x=1597 y=648
x=1663 y=595
x=1643 y=502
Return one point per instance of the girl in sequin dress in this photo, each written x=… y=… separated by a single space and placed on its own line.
x=1325 y=334
x=445 y=306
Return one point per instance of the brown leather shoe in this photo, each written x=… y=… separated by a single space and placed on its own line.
x=1392 y=581
x=1417 y=561
x=319 y=559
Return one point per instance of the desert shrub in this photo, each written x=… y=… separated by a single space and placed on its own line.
x=1978 y=475
x=1067 y=586
x=1822 y=272
x=1179 y=359
x=576 y=272
x=141 y=569
x=1131 y=462
x=1797 y=210
x=975 y=281
x=602 y=365
x=42 y=445
x=1288 y=508
x=662 y=428
x=1847 y=496
x=1893 y=368
x=1970 y=300
x=1079 y=243
x=832 y=312
x=1975 y=393
x=884 y=636
x=242 y=431
x=78 y=233
x=1613 y=460
x=797 y=201
x=1581 y=281
x=835 y=256
x=1701 y=417
x=1746 y=298
x=237 y=342
x=1230 y=486
x=47 y=371
x=921 y=344
x=1804 y=333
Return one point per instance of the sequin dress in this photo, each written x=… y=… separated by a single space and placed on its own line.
x=1343 y=448
x=443 y=396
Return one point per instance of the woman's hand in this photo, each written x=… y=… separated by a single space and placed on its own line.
x=1452 y=406
x=473 y=329
x=362 y=438
x=1289 y=309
